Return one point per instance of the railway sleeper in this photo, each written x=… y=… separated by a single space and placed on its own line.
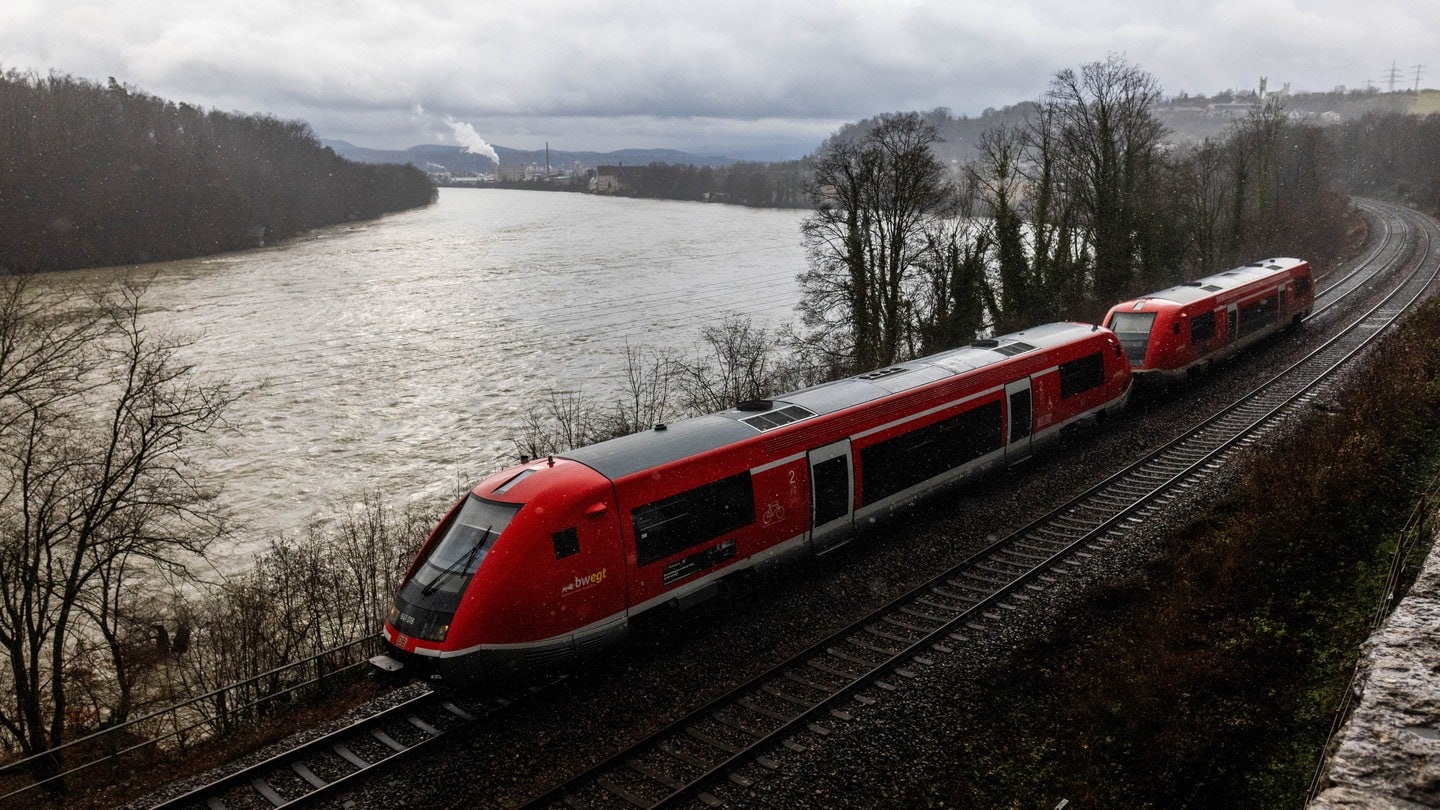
x=997 y=567
x=980 y=591
x=1012 y=561
x=713 y=742
x=1106 y=505
x=943 y=606
x=1046 y=536
x=854 y=659
x=822 y=666
x=424 y=726
x=887 y=652
x=349 y=756
x=777 y=692
x=457 y=711
x=308 y=775
x=898 y=639
x=264 y=789
x=920 y=614
x=609 y=786
x=1096 y=509
x=737 y=724
x=979 y=576
x=803 y=681
x=751 y=705
x=654 y=774
x=682 y=755
x=387 y=740
x=966 y=600
x=1043 y=551
x=890 y=619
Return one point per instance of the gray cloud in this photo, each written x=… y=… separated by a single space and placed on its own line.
x=602 y=75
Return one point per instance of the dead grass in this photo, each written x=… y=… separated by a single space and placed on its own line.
x=1426 y=103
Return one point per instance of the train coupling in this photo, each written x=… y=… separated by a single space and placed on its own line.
x=386 y=669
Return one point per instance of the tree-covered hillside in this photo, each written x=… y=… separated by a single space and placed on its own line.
x=94 y=175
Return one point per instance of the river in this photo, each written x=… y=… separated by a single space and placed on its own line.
x=399 y=356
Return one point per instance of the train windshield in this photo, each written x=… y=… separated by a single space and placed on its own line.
x=1133 y=329
x=459 y=553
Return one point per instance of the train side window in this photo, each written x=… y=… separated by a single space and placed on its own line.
x=567 y=542
x=1302 y=286
x=680 y=521
x=1081 y=375
x=1258 y=315
x=1202 y=327
x=908 y=459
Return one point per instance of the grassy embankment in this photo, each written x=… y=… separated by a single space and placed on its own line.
x=1426 y=103
x=1210 y=679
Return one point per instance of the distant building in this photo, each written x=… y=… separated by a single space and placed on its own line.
x=610 y=180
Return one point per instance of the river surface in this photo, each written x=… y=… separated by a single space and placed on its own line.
x=400 y=356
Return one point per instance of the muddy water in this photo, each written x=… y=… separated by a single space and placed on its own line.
x=399 y=356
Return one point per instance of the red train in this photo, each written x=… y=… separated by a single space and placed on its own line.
x=1170 y=332
x=552 y=558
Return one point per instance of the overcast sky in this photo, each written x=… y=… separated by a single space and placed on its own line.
x=716 y=76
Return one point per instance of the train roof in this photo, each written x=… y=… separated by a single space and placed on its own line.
x=617 y=458
x=1202 y=288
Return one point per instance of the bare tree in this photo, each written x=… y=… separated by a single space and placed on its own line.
x=737 y=362
x=876 y=199
x=99 y=492
x=1100 y=132
x=645 y=399
x=1016 y=303
x=1207 y=188
x=953 y=309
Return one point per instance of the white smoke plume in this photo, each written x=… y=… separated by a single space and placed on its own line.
x=471 y=140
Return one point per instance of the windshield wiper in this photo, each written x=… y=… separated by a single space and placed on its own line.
x=457 y=566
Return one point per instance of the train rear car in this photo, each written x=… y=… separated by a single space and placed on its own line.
x=1172 y=332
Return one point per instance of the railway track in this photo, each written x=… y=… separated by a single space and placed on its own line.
x=1394 y=236
x=700 y=757
x=686 y=760
x=320 y=768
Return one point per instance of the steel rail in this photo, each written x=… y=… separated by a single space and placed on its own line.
x=319 y=768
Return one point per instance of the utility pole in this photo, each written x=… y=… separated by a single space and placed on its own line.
x=1419 y=70
x=1393 y=74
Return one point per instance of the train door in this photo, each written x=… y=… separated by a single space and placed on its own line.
x=832 y=496
x=1232 y=323
x=1017 y=443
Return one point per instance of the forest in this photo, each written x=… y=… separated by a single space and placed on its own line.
x=97 y=175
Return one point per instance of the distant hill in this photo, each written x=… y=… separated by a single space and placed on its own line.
x=459 y=161
x=1188 y=118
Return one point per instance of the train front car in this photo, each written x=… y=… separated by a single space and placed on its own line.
x=524 y=571
x=547 y=561
x=1171 y=332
